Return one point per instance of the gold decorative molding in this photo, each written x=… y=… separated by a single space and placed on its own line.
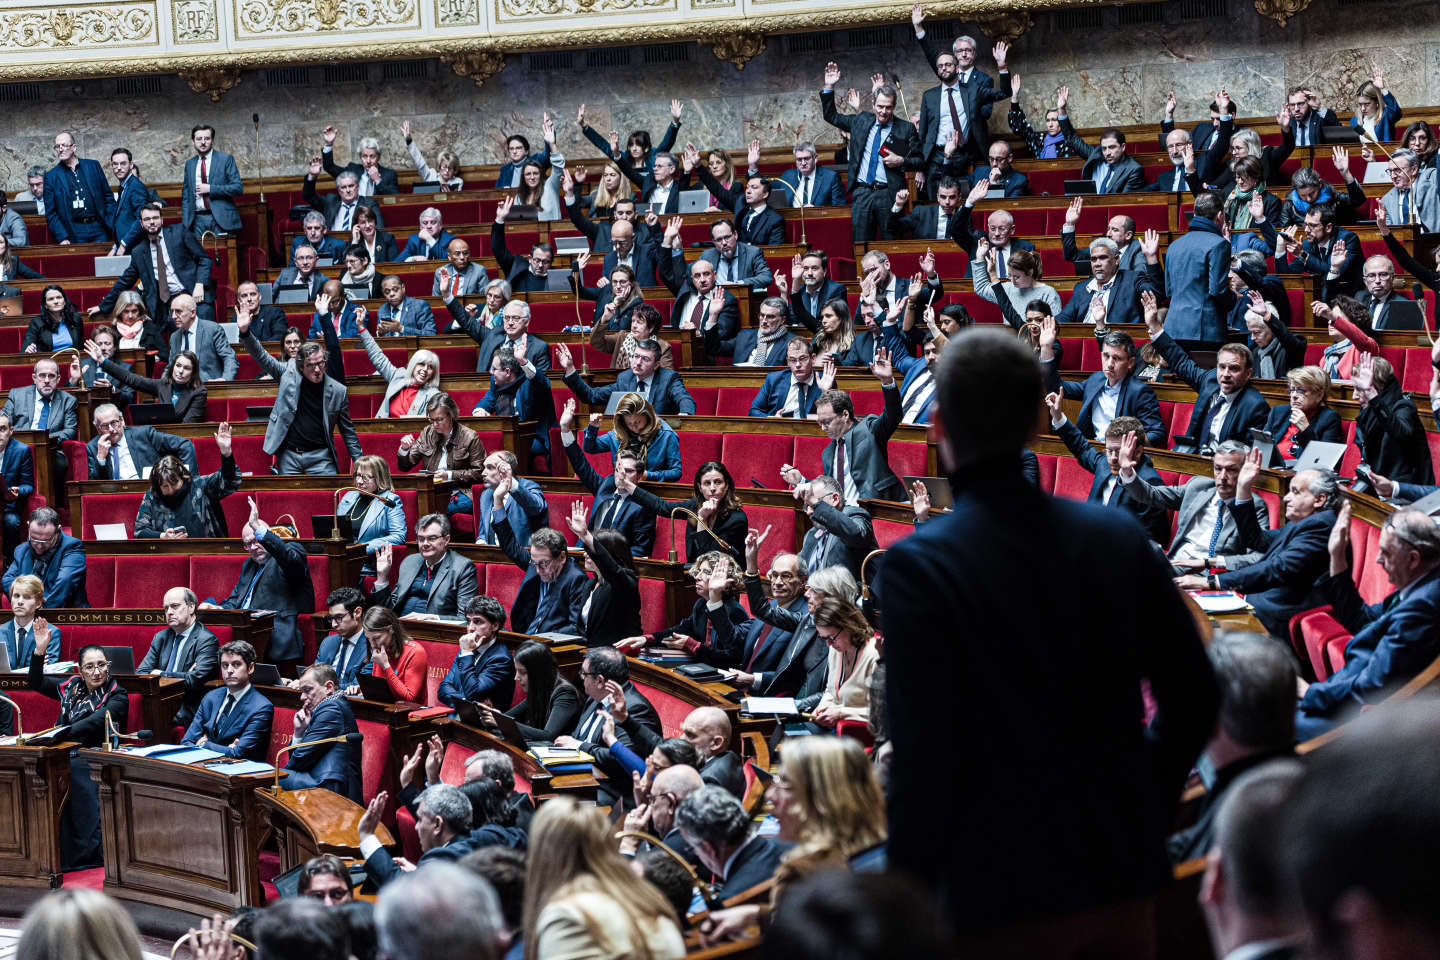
x=213 y=81
x=194 y=21
x=457 y=13
x=478 y=66
x=509 y=11
x=1280 y=10
x=259 y=18
x=40 y=28
x=1007 y=26
x=740 y=48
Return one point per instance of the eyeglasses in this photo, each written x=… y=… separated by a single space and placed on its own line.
x=95 y=667
x=333 y=895
x=424 y=538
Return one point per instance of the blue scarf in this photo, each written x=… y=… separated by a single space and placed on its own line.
x=1324 y=196
x=1050 y=146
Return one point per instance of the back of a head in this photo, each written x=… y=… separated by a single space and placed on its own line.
x=839 y=915
x=1365 y=820
x=671 y=879
x=1249 y=826
x=78 y=924
x=301 y=929
x=990 y=393
x=1257 y=689
x=504 y=869
x=440 y=912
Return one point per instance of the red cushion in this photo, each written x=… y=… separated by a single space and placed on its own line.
x=808 y=450
x=706 y=399
x=109 y=508
x=142 y=581
x=374 y=756
x=215 y=575
x=100 y=581
x=890 y=532
x=734 y=402
x=671 y=709
x=697 y=448
x=438 y=658
x=1048 y=466
x=502 y=581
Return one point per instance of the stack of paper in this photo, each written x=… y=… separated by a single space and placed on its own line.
x=784 y=706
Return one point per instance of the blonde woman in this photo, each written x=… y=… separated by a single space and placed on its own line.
x=448 y=174
x=77 y=924
x=1376 y=109
x=377 y=519
x=407 y=391
x=610 y=187
x=583 y=900
x=640 y=432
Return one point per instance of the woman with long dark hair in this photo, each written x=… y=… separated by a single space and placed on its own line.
x=551 y=703
x=612 y=610
x=394 y=657
x=180 y=385
x=639 y=155
x=715 y=503
x=178 y=507
x=56 y=326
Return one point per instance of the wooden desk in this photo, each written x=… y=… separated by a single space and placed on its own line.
x=308 y=823
x=177 y=836
x=159 y=700
x=33 y=781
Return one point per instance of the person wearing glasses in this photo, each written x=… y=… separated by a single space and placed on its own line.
x=522 y=275
x=1412 y=197
x=326 y=880
x=85 y=701
x=432 y=580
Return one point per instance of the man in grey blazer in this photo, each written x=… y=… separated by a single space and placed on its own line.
x=118 y=452
x=185 y=649
x=309 y=407
x=212 y=181
x=434 y=580
x=204 y=338
x=1414 y=198
x=839 y=535
x=863 y=469
x=736 y=263
x=43 y=407
x=1205 y=534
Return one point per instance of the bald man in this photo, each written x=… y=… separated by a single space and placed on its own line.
x=708 y=730
x=670 y=786
x=202 y=337
x=460 y=276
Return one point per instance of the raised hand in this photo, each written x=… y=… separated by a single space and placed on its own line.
x=1129 y=452
x=902 y=197
x=1061 y=99
x=1321 y=311
x=826 y=380
x=581 y=173
x=1049 y=332
x=370 y=819
x=1053 y=404
x=223 y=439
x=978 y=192
x=832 y=74
x=1362 y=375
x=1249 y=470
x=1222 y=100
x=1096 y=314
x=412 y=763
x=672 y=231
x=782 y=282
x=1283 y=117
x=1150 y=245
x=562 y=355
x=753 y=539
x=1379 y=79
x=917 y=286
x=254 y=517
x=690 y=155
x=752 y=154
x=1257 y=207
x=877 y=80
x=719 y=579
x=1257 y=303
x=567 y=184
x=315 y=167
x=384 y=557
x=1170 y=105
x=329 y=134
x=1339 y=543
x=1187 y=155
x=1001 y=49
x=576 y=520
x=917 y=16
x=502 y=209
x=322 y=303
x=927 y=262
x=920 y=501
x=1152 y=313
x=1014 y=88
x=1072 y=212
x=675 y=109
x=1382 y=219
x=1338 y=256
x=881 y=366
x=547 y=128
x=852 y=98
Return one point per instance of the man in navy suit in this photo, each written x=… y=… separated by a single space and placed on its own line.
x=736 y=263
x=18 y=467
x=1197 y=275
x=522 y=275
x=696 y=305
x=483 y=670
x=187 y=266
x=1227 y=405
x=624 y=249
x=664 y=389
x=1106 y=166
x=990 y=387
x=79 y=207
x=959 y=108
x=267 y=321
x=917 y=394
x=715 y=825
x=860 y=443
x=881 y=148
x=433 y=240
x=1112 y=391
x=1327 y=249
x=813 y=288
x=519 y=498
x=184 y=649
x=443 y=817
x=370 y=175
x=1112 y=295
x=1107 y=488
x=54 y=556
x=235 y=718
x=1394 y=639
x=601 y=232
x=302 y=272
x=522 y=390
x=1278 y=585
x=749 y=201
x=133 y=196
x=762 y=346
x=332 y=248
x=1001 y=174
x=791 y=392
x=810 y=185
x=554 y=589
x=276 y=576
x=941 y=221
x=614 y=507
x=999 y=231
x=1307 y=125
x=765 y=644
x=212 y=182
x=324 y=713
x=338 y=208
x=659 y=187
x=118 y=452
x=345 y=649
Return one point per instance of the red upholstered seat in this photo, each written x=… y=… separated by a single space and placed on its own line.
x=299 y=504
x=281 y=726
x=758 y=456
x=697 y=448
x=908 y=458
x=100 y=581
x=1313 y=633
x=889 y=532
x=374 y=759
x=559 y=509
x=109 y=508
x=809 y=448
x=781 y=521
x=502 y=581
x=438 y=657
x=652 y=606
x=705 y=400
x=142 y=581
x=671 y=710
x=733 y=402
x=215 y=575
x=1072 y=481
x=1047 y=463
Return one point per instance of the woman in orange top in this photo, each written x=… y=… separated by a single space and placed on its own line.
x=394 y=656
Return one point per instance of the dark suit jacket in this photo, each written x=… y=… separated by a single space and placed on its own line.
x=1316 y=260
x=769 y=226
x=192 y=265
x=389 y=180
x=212 y=349
x=645 y=183
x=1119 y=801
x=773 y=392
x=438 y=250
x=329 y=204
x=977 y=95
x=742 y=345
x=451 y=590
x=18 y=466
x=675 y=275
x=488 y=677
x=1248 y=411
x=1014 y=183
x=866 y=451
x=642 y=720
x=637 y=524
x=614 y=602
x=199 y=663
x=1383 y=322
x=802 y=667
x=246 y=730
x=826 y=190
x=716 y=634
x=1391 y=437
x=1154 y=518
x=284 y=586
x=903 y=139
x=224 y=178
x=290 y=277
x=667 y=391
x=923 y=223
x=334 y=766
x=754 y=863
x=59 y=188
x=851 y=536
x=1326 y=427
x=381 y=868
x=147 y=445
x=725 y=770
x=64 y=576
x=1125 y=305
x=332 y=247
x=1137 y=399
x=572 y=584
x=270 y=323
x=1126 y=177
x=1278 y=585
x=329 y=652
x=133 y=196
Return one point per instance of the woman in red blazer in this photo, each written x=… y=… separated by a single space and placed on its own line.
x=394 y=656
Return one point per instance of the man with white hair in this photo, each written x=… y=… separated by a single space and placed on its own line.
x=1113 y=295
x=338 y=208
x=371 y=176
x=332 y=248
x=433 y=240
x=118 y=452
x=1414 y=196
x=442 y=825
x=440 y=912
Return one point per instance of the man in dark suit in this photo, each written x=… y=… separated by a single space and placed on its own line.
x=267 y=321
x=1112 y=391
x=762 y=346
x=554 y=588
x=716 y=826
x=372 y=178
x=1278 y=585
x=841 y=534
x=601 y=232
x=276 y=576
x=1115 y=802
x=1106 y=488
x=522 y=390
x=1227 y=405
x=1182 y=154
x=942 y=221
x=79 y=207
x=1307 y=124
x=1222 y=109
x=882 y=147
x=959 y=108
x=314 y=225
x=999 y=232
x=514 y=331
x=42 y=406
x=1197 y=274
x=1392 y=640
x=345 y=649
x=1120 y=230
x=302 y=272
x=1106 y=165
x=756 y=223
x=792 y=392
x=171 y=250
x=18 y=468
x=443 y=819
x=433 y=240
x=105 y=337
x=339 y=207
x=1379 y=293
x=133 y=195
x=695 y=304
x=662 y=388
x=523 y=275
x=709 y=731
x=324 y=713
x=614 y=507
x=813 y=288
x=432 y=580
x=601 y=667
x=233 y=719
x=736 y=263
x=810 y=185
x=765 y=645
x=624 y=249
x=1001 y=174
x=54 y=556
x=483 y=670
x=659 y=187
x=118 y=452
x=212 y=182
x=1327 y=249
x=856 y=456
x=184 y=649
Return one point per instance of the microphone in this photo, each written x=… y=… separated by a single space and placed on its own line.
x=756 y=483
x=1418 y=289
x=335 y=508
x=19 y=725
x=259 y=156
x=342 y=738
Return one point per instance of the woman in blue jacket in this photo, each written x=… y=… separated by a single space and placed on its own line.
x=640 y=432
x=1376 y=109
x=378 y=521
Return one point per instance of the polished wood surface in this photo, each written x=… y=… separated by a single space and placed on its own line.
x=310 y=822
x=159 y=698
x=33 y=782
x=178 y=836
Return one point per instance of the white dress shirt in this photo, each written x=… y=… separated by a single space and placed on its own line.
x=1196 y=545
x=1106 y=403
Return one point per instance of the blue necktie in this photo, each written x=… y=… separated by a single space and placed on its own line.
x=175 y=654
x=542 y=609
x=44 y=422
x=115 y=463
x=1215 y=534
x=1105 y=182
x=1404 y=206
x=872 y=152
x=250 y=590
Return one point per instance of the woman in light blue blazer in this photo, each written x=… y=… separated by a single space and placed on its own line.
x=639 y=431
x=374 y=522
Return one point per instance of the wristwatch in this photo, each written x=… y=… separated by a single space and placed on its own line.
x=1212 y=581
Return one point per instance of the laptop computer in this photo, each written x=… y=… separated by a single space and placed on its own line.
x=5 y=659
x=144 y=414
x=523 y=212
x=1376 y=171
x=1073 y=187
x=357 y=291
x=375 y=688
x=323 y=524
x=1404 y=314
x=265 y=675
x=232 y=332
x=510 y=733
x=427 y=187
x=257 y=413
x=693 y=201
x=122 y=660
x=1262 y=441
x=325 y=261
x=292 y=293
x=1428 y=505
x=570 y=246
x=1340 y=133
x=25 y=208
x=937 y=487
x=1319 y=455
x=111 y=266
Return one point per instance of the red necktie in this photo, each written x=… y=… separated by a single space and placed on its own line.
x=955 y=114
x=699 y=312
x=759 y=645
x=204 y=178
x=840 y=465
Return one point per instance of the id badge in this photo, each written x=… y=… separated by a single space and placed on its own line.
x=77 y=203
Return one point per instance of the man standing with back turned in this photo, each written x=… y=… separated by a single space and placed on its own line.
x=1055 y=846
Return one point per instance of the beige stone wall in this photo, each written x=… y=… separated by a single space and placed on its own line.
x=1116 y=74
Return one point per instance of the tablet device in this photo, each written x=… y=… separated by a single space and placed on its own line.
x=1428 y=505
x=1262 y=441
x=510 y=732
x=5 y=659
x=1340 y=133
x=257 y=413
x=1073 y=187
x=375 y=688
x=143 y=414
x=427 y=187
x=292 y=293
x=523 y=212
x=122 y=660
x=357 y=291
x=569 y=246
x=265 y=675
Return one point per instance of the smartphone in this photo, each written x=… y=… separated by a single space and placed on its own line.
x=1363 y=472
